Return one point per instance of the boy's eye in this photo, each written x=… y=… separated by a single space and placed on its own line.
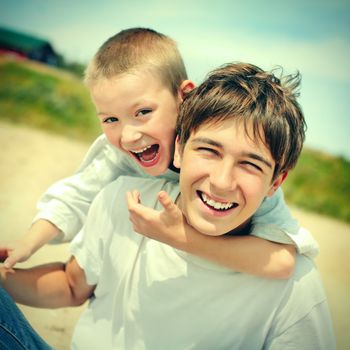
x=109 y=120
x=143 y=112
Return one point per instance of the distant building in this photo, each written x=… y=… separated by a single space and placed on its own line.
x=27 y=46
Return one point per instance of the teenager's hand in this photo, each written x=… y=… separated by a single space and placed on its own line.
x=167 y=225
x=13 y=252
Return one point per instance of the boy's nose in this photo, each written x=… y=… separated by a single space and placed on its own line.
x=130 y=135
x=223 y=179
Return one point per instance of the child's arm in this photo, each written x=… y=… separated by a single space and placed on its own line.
x=64 y=206
x=48 y=286
x=66 y=203
x=247 y=254
x=41 y=232
x=273 y=221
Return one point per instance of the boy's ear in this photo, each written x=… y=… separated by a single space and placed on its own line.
x=185 y=87
x=277 y=183
x=177 y=154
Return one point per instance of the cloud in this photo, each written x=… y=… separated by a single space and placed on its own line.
x=328 y=58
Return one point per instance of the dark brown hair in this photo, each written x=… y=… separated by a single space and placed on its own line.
x=255 y=97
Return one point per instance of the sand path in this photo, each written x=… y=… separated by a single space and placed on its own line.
x=31 y=160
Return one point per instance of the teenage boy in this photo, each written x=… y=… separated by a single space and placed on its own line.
x=239 y=133
x=137 y=81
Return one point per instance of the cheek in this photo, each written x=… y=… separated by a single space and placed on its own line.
x=164 y=135
x=194 y=171
x=254 y=189
x=112 y=135
x=168 y=117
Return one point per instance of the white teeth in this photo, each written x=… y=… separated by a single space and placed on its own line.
x=138 y=151
x=216 y=205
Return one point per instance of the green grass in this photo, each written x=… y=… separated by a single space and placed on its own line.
x=320 y=183
x=46 y=98
x=57 y=101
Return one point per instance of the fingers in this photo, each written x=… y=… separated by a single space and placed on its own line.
x=132 y=198
x=136 y=195
x=166 y=201
x=7 y=258
x=3 y=255
x=13 y=257
x=134 y=207
x=10 y=262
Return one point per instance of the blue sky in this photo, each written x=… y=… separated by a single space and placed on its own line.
x=312 y=36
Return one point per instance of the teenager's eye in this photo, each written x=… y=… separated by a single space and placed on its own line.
x=207 y=150
x=143 y=112
x=109 y=120
x=252 y=166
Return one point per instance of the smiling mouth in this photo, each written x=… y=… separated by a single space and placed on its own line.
x=214 y=205
x=147 y=156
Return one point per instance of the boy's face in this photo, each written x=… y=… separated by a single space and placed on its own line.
x=224 y=177
x=138 y=115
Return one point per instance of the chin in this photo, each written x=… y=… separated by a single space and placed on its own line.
x=156 y=171
x=210 y=229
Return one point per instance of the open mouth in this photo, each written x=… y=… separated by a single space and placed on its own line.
x=147 y=156
x=214 y=205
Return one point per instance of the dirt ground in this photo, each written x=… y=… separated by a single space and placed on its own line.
x=31 y=160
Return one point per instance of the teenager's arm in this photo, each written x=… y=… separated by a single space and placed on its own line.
x=49 y=286
x=247 y=254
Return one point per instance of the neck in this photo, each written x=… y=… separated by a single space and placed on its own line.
x=242 y=230
x=173 y=168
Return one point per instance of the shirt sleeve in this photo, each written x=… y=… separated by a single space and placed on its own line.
x=312 y=332
x=89 y=245
x=273 y=221
x=302 y=319
x=67 y=201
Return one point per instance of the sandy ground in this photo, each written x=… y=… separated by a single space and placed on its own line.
x=30 y=160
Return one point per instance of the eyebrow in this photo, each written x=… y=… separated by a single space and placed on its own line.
x=219 y=145
x=261 y=159
x=208 y=141
x=135 y=105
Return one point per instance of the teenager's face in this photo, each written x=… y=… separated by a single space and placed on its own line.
x=138 y=115
x=224 y=177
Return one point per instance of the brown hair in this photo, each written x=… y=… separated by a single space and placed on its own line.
x=246 y=92
x=138 y=48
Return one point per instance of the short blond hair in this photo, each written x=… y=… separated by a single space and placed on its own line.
x=138 y=48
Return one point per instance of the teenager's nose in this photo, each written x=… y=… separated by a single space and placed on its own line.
x=222 y=178
x=130 y=134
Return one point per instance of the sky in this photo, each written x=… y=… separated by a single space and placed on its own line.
x=311 y=36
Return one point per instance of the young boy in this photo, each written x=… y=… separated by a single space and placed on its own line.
x=238 y=134
x=137 y=80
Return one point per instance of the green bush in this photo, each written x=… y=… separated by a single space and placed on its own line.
x=47 y=98
x=320 y=183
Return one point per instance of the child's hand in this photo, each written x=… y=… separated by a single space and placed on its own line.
x=3 y=254
x=13 y=252
x=166 y=226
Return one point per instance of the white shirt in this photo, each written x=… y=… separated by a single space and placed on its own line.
x=152 y=296
x=67 y=202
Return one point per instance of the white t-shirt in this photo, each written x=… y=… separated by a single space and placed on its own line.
x=151 y=296
x=66 y=203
